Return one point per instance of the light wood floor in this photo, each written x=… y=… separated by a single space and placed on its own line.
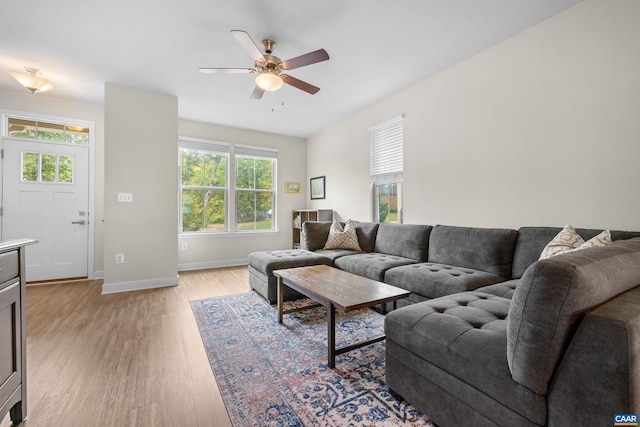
x=127 y=359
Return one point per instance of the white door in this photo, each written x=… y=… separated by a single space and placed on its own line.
x=45 y=196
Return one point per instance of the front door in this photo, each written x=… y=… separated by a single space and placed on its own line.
x=45 y=196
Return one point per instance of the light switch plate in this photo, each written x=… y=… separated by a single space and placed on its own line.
x=125 y=197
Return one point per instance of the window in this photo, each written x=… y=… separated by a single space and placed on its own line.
x=385 y=169
x=203 y=186
x=44 y=131
x=255 y=190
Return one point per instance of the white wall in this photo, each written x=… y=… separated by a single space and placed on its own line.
x=542 y=129
x=47 y=104
x=233 y=248
x=141 y=140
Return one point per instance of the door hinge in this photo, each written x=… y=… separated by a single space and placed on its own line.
x=2 y=154
x=1 y=211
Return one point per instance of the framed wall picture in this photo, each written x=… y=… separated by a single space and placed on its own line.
x=292 y=187
x=317 y=187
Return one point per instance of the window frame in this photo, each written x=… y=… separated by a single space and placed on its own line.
x=256 y=153
x=386 y=161
x=207 y=146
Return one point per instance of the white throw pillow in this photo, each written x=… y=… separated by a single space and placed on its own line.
x=602 y=239
x=568 y=240
x=340 y=238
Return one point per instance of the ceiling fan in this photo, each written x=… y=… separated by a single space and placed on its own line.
x=270 y=68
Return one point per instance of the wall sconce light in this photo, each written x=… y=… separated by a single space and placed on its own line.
x=32 y=81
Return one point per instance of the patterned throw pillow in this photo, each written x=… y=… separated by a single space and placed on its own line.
x=568 y=240
x=340 y=238
x=602 y=239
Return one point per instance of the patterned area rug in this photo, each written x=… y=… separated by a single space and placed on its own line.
x=277 y=375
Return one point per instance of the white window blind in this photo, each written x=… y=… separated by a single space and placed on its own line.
x=205 y=145
x=385 y=151
x=247 y=150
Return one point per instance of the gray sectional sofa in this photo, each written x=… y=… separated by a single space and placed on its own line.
x=490 y=335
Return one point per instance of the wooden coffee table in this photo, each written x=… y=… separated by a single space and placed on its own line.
x=333 y=289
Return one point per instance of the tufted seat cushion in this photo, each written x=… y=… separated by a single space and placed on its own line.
x=464 y=335
x=371 y=265
x=262 y=265
x=504 y=289
x=431 y=280
x=267 y=261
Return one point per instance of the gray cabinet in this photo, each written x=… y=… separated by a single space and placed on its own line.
x=13 y=369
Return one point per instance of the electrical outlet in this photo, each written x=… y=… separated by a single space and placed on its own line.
x=119 y=258
x=184 y=246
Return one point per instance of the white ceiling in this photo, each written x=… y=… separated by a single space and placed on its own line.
x=377 y=48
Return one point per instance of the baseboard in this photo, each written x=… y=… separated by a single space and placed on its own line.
x=212 y=264
x=138 y=285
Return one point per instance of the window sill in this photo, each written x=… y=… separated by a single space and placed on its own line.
x=228 y=234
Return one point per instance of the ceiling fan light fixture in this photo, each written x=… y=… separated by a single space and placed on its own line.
x=32 y=81
x=267 y=80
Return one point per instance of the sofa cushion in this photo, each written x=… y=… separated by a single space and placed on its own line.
x=465 y=334
x=342 y=237
x=432 y=280
x=314 y=235
x=551 y=298
x=403 y=240
x=503 y=289
x=267 y=261
x=367 y=232
x=485 y=249
x=532 y=240
x=371 y=265
x=336 y=253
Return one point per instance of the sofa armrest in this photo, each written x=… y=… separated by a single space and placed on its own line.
x=598 y=375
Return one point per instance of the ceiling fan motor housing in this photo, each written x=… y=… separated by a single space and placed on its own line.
x=272 y=65
x=268 y=46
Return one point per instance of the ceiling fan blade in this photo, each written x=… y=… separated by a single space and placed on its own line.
x=257 y=93
x=292 y=81
x=226 y=70
x=249 y=45
x=306 y=59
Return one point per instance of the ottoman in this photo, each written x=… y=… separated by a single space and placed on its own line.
x=262 y=264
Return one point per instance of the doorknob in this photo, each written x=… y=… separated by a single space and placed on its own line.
x=81 y=222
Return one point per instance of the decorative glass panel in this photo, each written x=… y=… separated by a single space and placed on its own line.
x=77 y=135
x=48 y=167
x=21 y=128
x=50 y=132
x=65 y=169
x=30 y=166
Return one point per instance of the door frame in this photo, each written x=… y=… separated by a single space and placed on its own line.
x=5 y=113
